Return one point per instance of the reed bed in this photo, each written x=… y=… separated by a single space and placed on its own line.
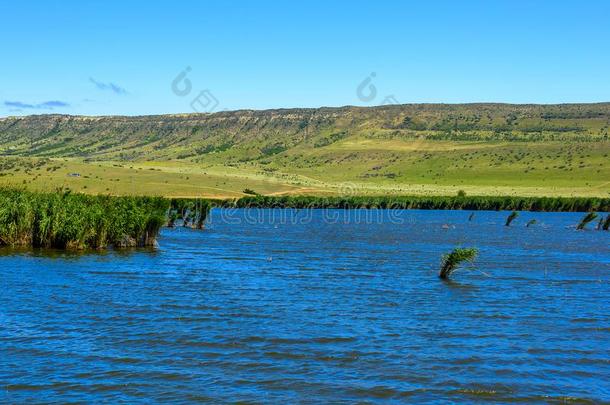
x=474 y=203
x=64 y=220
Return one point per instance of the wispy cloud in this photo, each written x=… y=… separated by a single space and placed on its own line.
x=46 y=105
x=108 y=86
x=53 y=103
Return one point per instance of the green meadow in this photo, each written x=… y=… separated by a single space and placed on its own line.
x=429 y=168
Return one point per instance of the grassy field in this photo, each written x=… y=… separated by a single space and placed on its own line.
x=353 y=167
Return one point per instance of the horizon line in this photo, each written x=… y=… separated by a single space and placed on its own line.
x=347 y=106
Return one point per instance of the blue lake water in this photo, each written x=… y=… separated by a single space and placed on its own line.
x=315 y=306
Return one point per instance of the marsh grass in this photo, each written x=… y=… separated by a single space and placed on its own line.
x=451 y=261
x=586 y=220
x=606 y=224
x=474 y=203
x=192 y=212
x=64 y=220
x=202 y=211
x=531 y=222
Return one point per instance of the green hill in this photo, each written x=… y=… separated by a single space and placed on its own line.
x=398 y=149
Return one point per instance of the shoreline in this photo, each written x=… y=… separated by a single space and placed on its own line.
x=471 y=203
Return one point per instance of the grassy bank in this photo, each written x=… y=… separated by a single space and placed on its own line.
x=550 y=204
x=65 y=220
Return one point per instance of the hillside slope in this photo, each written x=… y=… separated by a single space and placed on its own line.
x=489 y=148
x=270 y=132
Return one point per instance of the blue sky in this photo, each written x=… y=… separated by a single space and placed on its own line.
x=121 y=58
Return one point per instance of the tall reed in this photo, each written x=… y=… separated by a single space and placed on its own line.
x=193 y=212
x=65 y=220
x=474 y=203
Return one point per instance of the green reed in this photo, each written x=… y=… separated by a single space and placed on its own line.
x=451 y=261
x=65 y=220
x=192 y=212
x=473 y=203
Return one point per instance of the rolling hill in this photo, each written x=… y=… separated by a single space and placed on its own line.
x=399 y=149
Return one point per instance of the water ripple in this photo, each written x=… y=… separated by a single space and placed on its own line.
x=317 y=312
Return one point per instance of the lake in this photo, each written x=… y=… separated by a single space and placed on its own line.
x=283 y=306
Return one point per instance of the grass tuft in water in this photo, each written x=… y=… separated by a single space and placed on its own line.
x=451 y=261
x=511 y=217
x=202 y=210
x=586 y=219
x=192 y=212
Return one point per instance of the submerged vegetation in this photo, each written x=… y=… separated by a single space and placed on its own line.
x=586 y=220
x=65 y=220
x=513 y=215
x=451 y=261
